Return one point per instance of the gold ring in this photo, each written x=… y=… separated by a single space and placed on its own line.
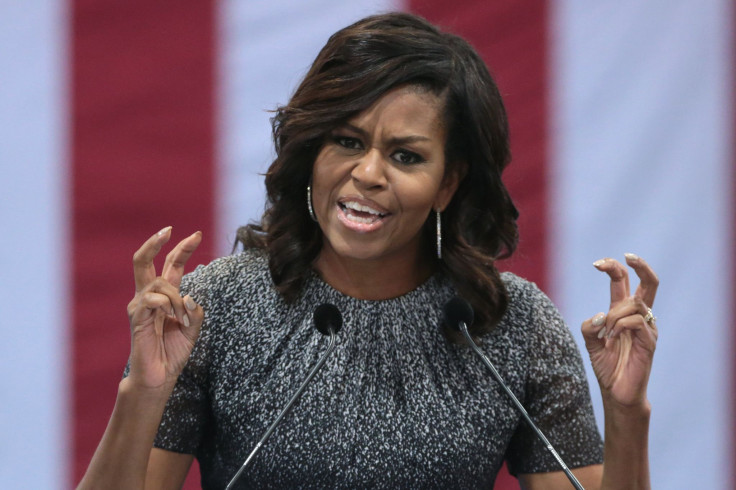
x=650 y=318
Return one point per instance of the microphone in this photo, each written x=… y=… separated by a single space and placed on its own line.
x=328 y=321
x=457 y=311
x=458 y=315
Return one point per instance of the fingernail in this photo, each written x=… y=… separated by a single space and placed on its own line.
x=599 y=263
x=602 y=333
x=164 y=231
x=189 y=303
x=610 y=334
x=631 y=257
x=185 y=319
x=599 y=319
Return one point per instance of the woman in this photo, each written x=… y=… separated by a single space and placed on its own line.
x=386 y=200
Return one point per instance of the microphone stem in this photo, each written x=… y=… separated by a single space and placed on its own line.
x=550 y=448
x=286 y=409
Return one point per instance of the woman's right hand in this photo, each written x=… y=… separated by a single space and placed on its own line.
x=164 y=326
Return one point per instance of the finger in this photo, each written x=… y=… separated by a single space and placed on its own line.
x=619 y=278
x=143 y=269
x=628 y=307
x=177 y=258
x=161 y=286
x=649 y=282
x=639 y=329
x=593 y=330
x=196 y=316
x=147 y=305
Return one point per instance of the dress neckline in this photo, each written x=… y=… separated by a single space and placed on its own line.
x=316 y=284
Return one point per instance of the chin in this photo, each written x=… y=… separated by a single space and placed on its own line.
x=360 y=252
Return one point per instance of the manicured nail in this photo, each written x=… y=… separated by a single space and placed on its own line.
x=599 y=319
x=602 y=333
x=599 y=263
x=631 y=257
x=164 y=231
x=189 y=303
x=610 y=334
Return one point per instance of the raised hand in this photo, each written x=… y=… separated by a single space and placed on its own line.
x=621 y=343
x=164 y=326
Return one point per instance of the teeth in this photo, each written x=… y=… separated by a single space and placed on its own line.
x=358 y=219
x=359 y=207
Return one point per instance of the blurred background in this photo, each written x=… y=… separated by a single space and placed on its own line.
x=120 y=118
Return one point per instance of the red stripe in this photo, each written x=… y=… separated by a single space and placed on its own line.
x=143 y=157
x=513 y=38
x=732 y=231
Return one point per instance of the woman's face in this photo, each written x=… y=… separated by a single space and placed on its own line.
x=377 y=178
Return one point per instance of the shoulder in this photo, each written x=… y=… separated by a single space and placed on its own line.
x=232 y=274
x=518 y=287
x=531 y=311
x=524 y=295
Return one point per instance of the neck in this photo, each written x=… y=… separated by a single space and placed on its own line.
x=373 y=279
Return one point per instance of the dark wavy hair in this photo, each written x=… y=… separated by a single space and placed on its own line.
x=358 y=65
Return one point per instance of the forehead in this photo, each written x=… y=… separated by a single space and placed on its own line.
x=404 y=109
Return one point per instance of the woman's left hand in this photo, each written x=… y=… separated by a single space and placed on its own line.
x=621 y=343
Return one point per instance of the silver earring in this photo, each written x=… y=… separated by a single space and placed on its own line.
x=309 y=203
x=439 y=235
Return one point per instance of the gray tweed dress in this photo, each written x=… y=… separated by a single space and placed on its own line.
x=395 y=406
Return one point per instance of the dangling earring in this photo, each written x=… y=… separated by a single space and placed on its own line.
x=309 y=203
x=439 y=235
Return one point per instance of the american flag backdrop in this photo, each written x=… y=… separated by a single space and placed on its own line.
x=119 y=118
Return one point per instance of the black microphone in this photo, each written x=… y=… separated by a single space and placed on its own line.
x=458 y=315
x=328 y=320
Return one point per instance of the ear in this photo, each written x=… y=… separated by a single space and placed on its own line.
x=450 y=183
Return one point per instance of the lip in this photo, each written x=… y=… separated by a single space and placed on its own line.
x=358 y=226
x=364 y=202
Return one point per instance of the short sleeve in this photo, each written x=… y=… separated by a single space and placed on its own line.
x=187 y=413
x=557 y=396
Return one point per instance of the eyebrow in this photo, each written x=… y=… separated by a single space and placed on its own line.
x=402 y=140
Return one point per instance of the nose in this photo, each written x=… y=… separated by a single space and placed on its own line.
x=370 y=171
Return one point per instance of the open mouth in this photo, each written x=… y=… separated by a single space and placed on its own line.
x=360 y=213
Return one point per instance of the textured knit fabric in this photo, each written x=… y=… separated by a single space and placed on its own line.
x=395 y=406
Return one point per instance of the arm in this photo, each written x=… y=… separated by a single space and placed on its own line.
x=588 y=476
x=625 y=452
x=621 y=345
x=167 y=469
x=626 y=456
x=164 y=328
x=123 y=453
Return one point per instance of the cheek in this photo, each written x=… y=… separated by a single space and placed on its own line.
x=325 y=179
x=320 y=171
x=418 y=193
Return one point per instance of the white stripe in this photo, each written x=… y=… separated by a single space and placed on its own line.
x=642 y=121
x=34 y=379
x=266 y=47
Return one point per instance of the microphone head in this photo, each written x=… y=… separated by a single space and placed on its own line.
x=326 y=317
x=457 y=310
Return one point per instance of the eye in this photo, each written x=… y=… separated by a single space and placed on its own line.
x=348 y=142
x=407 y=157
